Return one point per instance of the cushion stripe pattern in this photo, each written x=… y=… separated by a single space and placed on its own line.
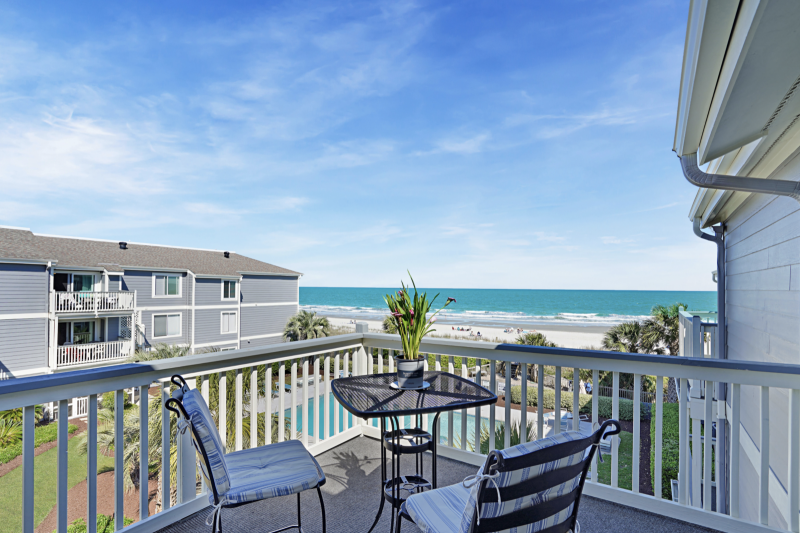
x=204 y=425
x=278 y=469
x=451 y=509
x=438 y=511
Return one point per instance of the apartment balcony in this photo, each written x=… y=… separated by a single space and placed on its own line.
x=92 y=353
x=93 y=303
x=617 y=497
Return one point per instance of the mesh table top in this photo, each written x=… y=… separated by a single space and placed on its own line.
x=371 y=396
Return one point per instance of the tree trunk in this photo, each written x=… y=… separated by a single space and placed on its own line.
x=672 y=391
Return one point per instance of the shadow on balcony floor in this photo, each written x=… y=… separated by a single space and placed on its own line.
x=352 y=495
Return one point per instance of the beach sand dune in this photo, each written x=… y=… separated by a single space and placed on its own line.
x=564 y=336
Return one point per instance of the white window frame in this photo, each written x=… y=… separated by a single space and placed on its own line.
x=153 y=325
x=236 y=313
x=180 y=284
x=222 y=290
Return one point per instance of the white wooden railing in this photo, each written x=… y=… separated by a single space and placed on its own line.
x=247 y=378
x=94 y=352
x=92 y=302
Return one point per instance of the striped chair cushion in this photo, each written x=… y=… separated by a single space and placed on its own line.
x=274 y=470
x=204 y=425
x=438 y=511
x=451 y=509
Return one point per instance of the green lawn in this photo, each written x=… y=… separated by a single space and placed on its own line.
x=45 y=471
x=625 y=461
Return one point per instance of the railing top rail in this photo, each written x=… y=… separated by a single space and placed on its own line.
x=40 y=389
x=51 y=387
x=743 y=372
x=94 y=292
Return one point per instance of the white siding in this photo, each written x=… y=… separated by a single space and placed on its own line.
x=763 y=309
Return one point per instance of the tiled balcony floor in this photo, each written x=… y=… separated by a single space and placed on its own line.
x=352 y=495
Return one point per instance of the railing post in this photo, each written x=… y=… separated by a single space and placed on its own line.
x=187 y=486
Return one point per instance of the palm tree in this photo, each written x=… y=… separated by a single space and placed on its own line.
x=663 y=329
x=628 y=337
x=160 y=351
x=532 y=339
x=306 y=325
x=389 y=325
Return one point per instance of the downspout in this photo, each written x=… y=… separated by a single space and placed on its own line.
x=718 y=238
x=697 y=177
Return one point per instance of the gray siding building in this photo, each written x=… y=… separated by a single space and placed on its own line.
x=67 y=302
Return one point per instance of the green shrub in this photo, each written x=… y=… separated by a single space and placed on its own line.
x=107 y=401
x=670 y=448
x=604 y=405
x=105 y=524
x=41 y=435
x=549 y=401
x=605 y=409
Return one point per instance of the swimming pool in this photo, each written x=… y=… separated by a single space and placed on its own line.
x=346 y=421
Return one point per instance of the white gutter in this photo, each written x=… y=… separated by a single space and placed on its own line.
x=697 y=177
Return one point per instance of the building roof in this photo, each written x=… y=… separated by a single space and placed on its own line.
x=739 y=103
x=23 y=244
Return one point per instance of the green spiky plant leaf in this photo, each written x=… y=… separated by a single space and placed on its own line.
x=410 y=315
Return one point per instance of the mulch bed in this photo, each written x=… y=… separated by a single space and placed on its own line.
x=5 y=468
x=645 y=480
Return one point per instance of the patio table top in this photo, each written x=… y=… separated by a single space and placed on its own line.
x=371 y=396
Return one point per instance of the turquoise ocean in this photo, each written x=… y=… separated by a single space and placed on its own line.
x=501 y=307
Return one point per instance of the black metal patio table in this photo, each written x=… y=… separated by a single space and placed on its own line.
x=372 y=396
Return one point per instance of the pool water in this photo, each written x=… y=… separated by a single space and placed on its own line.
x=346 y=421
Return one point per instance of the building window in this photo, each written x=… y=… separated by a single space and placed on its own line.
x=167 y=325
x=228 y=322
x=83 y=283
x=228 y=290
x=166 y=285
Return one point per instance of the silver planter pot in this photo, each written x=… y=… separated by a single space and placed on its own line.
x=410 y=372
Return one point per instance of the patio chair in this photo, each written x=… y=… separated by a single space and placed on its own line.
x=535 y=486
x=246 y=476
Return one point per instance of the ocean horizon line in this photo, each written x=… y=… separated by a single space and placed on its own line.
x=502 y=289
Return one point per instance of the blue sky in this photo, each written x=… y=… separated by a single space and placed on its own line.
x=478 y=144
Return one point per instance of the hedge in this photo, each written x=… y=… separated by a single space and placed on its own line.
x=604 y=406
x=41 y=435
x=670 y=448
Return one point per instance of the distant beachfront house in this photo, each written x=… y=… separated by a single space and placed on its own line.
x=67 y=302
x=739 y=112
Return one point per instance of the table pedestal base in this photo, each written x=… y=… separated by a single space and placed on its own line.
x=397 y=488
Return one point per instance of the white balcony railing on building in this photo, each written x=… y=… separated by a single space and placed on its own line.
x=247 y=378
x=93 y=352
x=93 y=302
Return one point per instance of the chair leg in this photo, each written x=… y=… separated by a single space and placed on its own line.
x=399 y=521
x=322 y=506
x=299 y=515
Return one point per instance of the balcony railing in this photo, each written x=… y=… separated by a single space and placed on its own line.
x=320 y=423
x=93 y=352
x=93 y=302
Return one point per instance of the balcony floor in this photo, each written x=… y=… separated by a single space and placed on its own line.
x=352 y=495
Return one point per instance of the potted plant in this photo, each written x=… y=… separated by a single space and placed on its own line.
x=410 y=316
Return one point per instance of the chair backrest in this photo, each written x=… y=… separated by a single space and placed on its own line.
x=540 y=484
x=190 y=405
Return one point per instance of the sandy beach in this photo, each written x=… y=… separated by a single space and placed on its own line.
x=565 y=336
